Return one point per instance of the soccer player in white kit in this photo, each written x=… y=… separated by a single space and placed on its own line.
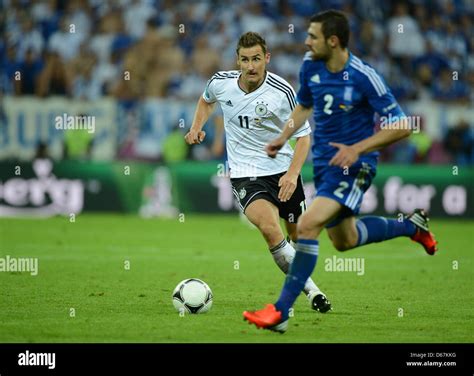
x=256 y=105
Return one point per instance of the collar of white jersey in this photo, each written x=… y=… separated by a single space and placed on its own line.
x=259 y=86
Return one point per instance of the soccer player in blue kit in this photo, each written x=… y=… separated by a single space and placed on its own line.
x=344 y=93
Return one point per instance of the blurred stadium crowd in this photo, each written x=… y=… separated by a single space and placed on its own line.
x=84 y=49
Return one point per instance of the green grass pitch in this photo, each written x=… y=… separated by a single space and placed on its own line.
x=84 y=293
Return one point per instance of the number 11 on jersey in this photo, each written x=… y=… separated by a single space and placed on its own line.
x=246 y=118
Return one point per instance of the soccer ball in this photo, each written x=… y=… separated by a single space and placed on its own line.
x=192 y=296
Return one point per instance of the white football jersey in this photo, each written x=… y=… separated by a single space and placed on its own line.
x=252 y=120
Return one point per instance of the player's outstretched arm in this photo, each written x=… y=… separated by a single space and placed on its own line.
x=348 y=155
x=297 y=118
x=203 y=110
x=289 y=181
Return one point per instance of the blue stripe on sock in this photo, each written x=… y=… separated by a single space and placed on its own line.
x=308 y=241
x=306 y=248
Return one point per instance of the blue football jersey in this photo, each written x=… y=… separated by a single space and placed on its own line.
x=344 y=104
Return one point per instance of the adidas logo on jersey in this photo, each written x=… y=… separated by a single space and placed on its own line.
x=229 y=103
x=316 y=79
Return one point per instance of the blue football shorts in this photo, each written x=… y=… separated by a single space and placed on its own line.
x=344 y=186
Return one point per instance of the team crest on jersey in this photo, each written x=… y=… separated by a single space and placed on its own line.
x=261 y=109
x=242 y=193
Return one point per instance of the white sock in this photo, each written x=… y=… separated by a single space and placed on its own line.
x=283 y=254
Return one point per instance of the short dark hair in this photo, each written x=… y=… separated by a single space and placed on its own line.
x=251 y=39
x=335 y=23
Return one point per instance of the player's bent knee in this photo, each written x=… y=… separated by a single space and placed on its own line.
x=308 y=229
x=270 y=230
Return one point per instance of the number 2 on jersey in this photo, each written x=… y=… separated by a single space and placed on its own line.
x=327 y=107
x=241 y=118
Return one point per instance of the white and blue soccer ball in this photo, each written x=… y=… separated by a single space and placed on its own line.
x=192 y=296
